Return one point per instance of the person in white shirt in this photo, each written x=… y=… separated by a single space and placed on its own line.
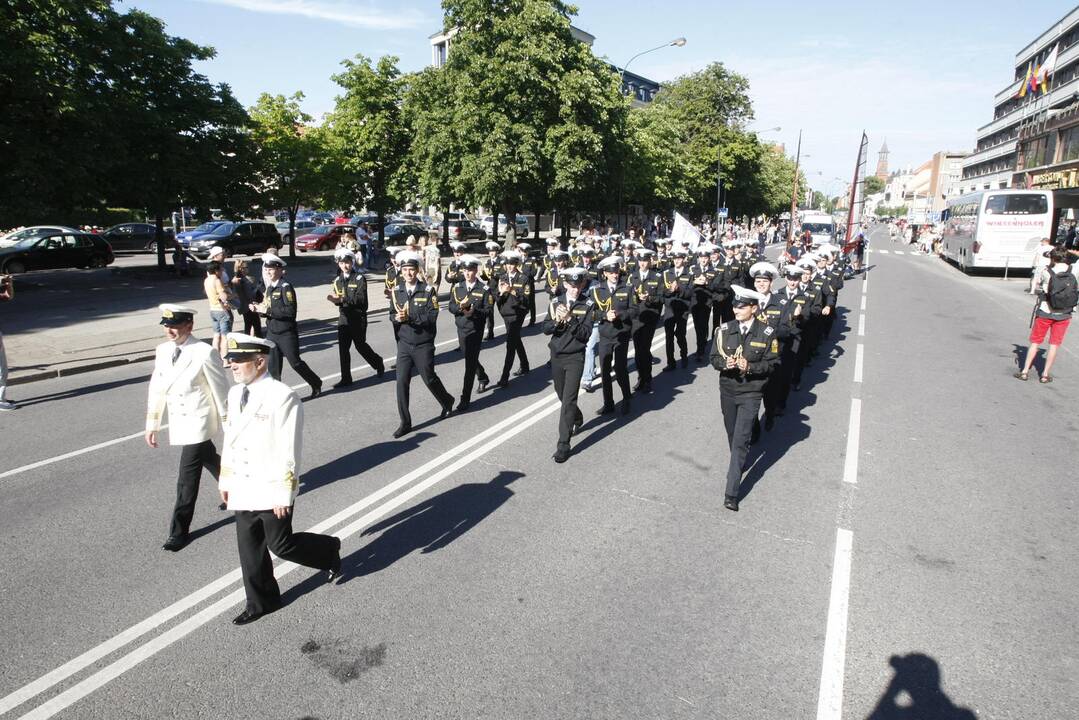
x=1052 y=314
x=189 y=382
x=260 y=466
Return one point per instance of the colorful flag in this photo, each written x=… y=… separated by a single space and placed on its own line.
x=1026 y=82
x=1049 y=66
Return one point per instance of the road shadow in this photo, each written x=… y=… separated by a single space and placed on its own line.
x=788 y=431
x=207 y=529
x=429 y=526
x=914 y=693
x=361 y=460
x=1020 y=353
x=84 y=390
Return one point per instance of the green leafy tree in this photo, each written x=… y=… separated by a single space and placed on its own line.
x=289 y=157
x=873 y=185
x=367 y=136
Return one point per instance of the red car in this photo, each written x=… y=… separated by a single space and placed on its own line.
x=323 y=237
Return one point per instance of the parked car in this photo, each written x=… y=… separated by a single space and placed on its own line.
x=34 y=231
x=397 y=232
x=415 y=218
x=281 y=216
x=50 y=252
x=322 y=237
x=136 y=236
x=249 y=237
x=466 y=231
x=302 y=228
x=186 y=237
x=322 y=218
x=521 y=223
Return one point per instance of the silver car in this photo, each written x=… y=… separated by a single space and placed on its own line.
x=35 y=231
x=488 y=225
x=302 y=228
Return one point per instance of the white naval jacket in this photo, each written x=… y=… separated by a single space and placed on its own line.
x=193 y=390
x=260 y=459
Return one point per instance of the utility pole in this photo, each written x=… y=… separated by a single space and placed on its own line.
x=794 y=190
x=719 y=185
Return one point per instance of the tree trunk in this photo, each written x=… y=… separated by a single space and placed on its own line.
x=565 y=228
x=292 y=230
x=381 y=228
x=537 y=216
x=159 y=238
x=446 y=227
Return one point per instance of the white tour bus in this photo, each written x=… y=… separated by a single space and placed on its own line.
x=997 y=228
x=820 y=225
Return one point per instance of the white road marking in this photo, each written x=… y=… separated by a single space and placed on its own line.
x=830 y=699
x=863 y=302
x=519 y=421
x=850 y=461
x=899 y=252
x=861 y=325
x=389 y=363
x=885 y=252
x=865 y=281
x=858 y=363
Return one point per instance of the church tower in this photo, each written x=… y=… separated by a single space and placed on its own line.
x=882 y=161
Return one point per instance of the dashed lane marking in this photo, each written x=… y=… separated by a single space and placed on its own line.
x=830 y=699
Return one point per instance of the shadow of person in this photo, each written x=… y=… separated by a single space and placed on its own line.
x=207 y=529
x=361 y=460
x=1020 y=352
x=915 y=693
x=774 y=444
x=430 y=525
x=81 y=390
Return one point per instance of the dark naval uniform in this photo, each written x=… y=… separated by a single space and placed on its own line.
x=779 y=313
x=416 y=347
x=489 y=272
x=677 y=294
x=281 y=329
x=514 y=307
x=703 y=297
x=647 y=289
x=740 y=394
x=351 y=293
x=614 y=337
x=567 y=345
x=470 y=331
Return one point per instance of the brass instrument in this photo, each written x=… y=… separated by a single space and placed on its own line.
x=642 y=292
x=399 y=308
x=7 y=286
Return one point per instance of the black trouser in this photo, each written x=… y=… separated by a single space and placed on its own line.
x=726 y=310
x=514 y=345
x=252 y=323
x=259 y=531
x=566 y=372
x=470 y=347
x=287 y=344
x=355 y=333
x=779 y=382
x=532 y=301
x=422 y=357
x=675 y=329
x=193 y=458
x=739 y=415
x=827 y=321
x=702 y=312
x=491 y=321
x=717 y=317
x=613 y=354
x=642 y=351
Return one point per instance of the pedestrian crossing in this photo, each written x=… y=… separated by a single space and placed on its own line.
x=912 y=253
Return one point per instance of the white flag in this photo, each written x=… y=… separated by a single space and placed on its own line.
x=684 y=232
x=1050 y=63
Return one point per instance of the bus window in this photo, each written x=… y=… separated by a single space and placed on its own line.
x=1016 y=205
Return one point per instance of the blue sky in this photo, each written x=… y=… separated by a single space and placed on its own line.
x=921 y=74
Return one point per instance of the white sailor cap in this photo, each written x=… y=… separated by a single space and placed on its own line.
x=792 y=270
x=558 y=254
x=679 y=251
x=573 y=274
x=704 y=248
x=663 y=241
x=585 y=250
x=217 y=250
x=826 y=248
x=511 y=256
x=492 y=245
x=393 y=250
x=457 y=245
x=553 y=241
x=731 y=243
x=627 y=243
x=408 y=258
x=807 y=262
x=172 y=314
x=239 y=346
x=645 y=253
x=344 y=254
x=469 y=261
x=745 y=296
x=764 y=269
x=610 y=264
x=271 y=260
x=523 y=247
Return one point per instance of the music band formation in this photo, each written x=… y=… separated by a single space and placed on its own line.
x=757 y=324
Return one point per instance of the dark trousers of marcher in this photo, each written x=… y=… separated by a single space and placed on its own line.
x=739 y=416
x=287 y=345
x=702 y=313
x=532 y=301
x=258 y=533
x=726 y=311
x=566 y=372
x=617 y=355
x=827 y=321
x=355 y=334
x=470 y=348
x=514 y=346
x=642 y=351
x=252 y=323
x=193 y=458
x=717 y=317
x=490 y=325
x=421 y=357
x=779 y=382
x=674 y=328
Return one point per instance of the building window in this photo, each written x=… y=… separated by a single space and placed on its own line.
x=1069 y=144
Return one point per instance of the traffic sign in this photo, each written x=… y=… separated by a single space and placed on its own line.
x=722 y=212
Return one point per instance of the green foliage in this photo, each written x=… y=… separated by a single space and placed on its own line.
x=873 y=185
x=894 y=211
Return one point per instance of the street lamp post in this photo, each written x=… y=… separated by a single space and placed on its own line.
x=794 y=190
x=677 y=42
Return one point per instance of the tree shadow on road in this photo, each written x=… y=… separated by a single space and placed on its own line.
x=915 y=693
x=431 y=525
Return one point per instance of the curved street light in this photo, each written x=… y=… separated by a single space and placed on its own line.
x=677 y=42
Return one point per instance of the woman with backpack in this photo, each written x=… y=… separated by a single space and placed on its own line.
x=1053 y=313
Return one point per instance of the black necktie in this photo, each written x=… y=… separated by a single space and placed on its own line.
x=175 y=354
x=243 y=398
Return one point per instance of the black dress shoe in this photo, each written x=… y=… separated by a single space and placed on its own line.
x=589 y=387
x=561 y=454
x=646 y=388
x=401 y=431
x=520 y=371
x=334 y=572
x=175 y=543
x=222 y=506
x=685 y=363
x=605 y=410
x=769 y=422
x=577 y=426
x=250 y=616
x=637 y=386
x=462 y=406
x=483 y=385
x=381 y=369
x=315 y=392
x=503 y=383
x=446 y=410
x=626 y=408
x=342 y=384
x=730 y=502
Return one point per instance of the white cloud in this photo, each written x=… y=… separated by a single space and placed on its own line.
x=337 y=11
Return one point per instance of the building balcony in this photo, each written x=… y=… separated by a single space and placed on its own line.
x=1055 y=30
x=1062 y=60
x=996 y=151
x=1059 y=94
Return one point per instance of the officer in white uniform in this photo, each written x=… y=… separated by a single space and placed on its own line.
x=189 y=381
x=260 y=462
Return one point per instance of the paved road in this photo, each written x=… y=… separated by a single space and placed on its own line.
x=487 y=582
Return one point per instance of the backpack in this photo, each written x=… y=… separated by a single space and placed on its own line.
x=1062 y=294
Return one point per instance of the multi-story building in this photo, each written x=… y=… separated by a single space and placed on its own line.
x=993 y=162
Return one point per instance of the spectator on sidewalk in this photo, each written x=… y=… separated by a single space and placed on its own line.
x=1040 y=263
x=221 y=301
x=363 y=237
x=181 y=258
x=247 y=293
x=7 y=292
x=1053 y=313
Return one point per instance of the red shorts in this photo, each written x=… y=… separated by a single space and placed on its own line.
x=1055 y=328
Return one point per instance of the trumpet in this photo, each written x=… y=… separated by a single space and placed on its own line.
x=642 y=292
x=400 y=309
x=7 y=287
